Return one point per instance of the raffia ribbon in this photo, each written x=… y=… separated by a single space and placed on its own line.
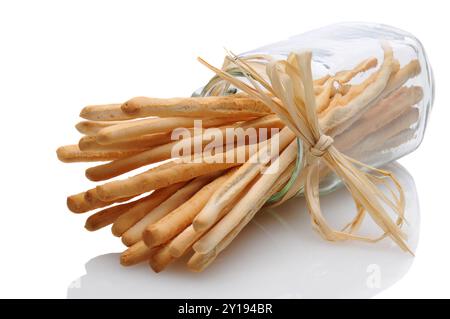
x=290 y=94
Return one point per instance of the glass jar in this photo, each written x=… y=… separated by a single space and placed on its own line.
x=393 y=122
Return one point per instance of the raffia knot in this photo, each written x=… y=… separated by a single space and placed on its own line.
x=321 y=146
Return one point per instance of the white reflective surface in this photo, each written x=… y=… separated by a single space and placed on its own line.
x=278 y=255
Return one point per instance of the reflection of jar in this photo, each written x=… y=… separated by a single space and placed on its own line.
x=390 y=125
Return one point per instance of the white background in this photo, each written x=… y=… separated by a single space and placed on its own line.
x=57 y=56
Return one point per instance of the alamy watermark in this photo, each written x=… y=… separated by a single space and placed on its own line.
x=226 y=145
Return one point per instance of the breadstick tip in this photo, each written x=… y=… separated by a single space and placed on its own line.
x=126 y=240
x=200 y=225
x=90 y=175
x=103 y=136
x=415 y=67
x=155 y=266
x=127 y=259
x=75 y=203
x=160 y=259
x=151 y=236
x=103 y=194
x=132 y=106
x=63 y=154
x=372 y=63
x=200 y=248
x=175 y=252
x=89 y=226
x=116 y=231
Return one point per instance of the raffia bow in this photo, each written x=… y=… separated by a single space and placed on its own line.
x=289 y=92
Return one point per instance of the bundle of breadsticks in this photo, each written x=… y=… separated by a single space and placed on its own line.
x=198 y=203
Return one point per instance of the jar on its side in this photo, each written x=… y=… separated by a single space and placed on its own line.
x=347 y=59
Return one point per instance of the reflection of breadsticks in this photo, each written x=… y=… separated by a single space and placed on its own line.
x=217 y=106
x=72 y=154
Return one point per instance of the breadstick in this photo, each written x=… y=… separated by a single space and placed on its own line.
x=355 y=90
x=107 y=216
x=398 y=139
x=346 y=92
x=346 y=76
x=89 y=143
x=108 y=112
x=376 y=139
x=323 y=99
x=126 y=164
x=395 y=82
x=355 y=142
x=246 y=204
x=126 y=131
x=151 y=180
x=163 y=152
x=92 y=198
x=72 y=154
x=173 y=223
x=212 y=106
x=134 y=233
x=409 y=71
x=184 y=240
x=78 y=203
x=241 y=178
x=385 y=111
x=135 y=213
x=135 y=254
x=333 y=119
x=199 y=262
x=160 y=259
x=92 y=128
